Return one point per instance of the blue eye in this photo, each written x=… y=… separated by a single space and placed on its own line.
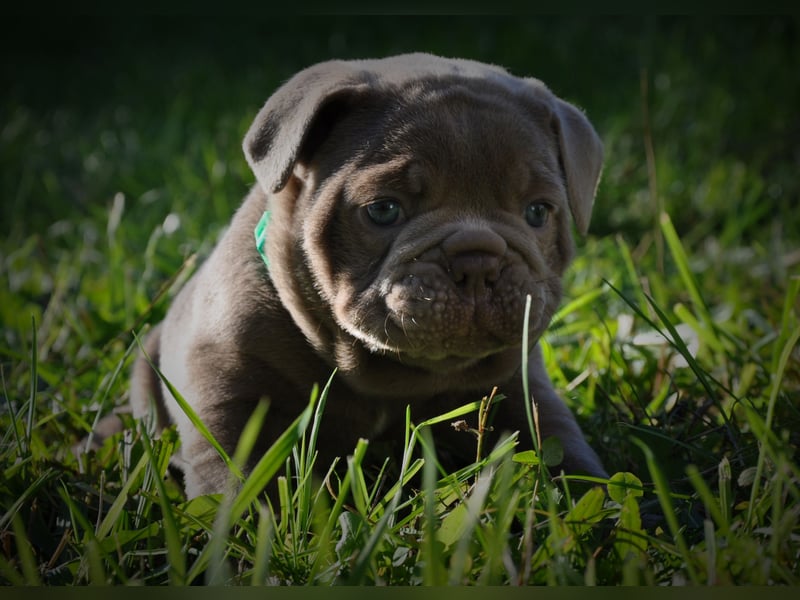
x=385 y=212
x=536 y=214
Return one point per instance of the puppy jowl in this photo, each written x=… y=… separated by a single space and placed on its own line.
x=412 y=205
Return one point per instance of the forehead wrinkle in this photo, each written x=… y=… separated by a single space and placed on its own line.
x=400 y=173
x=472 y=136
x=542 y=176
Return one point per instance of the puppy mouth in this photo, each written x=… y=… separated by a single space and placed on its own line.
x=434 y=317
x=446 y=363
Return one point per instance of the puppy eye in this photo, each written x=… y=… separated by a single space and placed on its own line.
x=385 y=212
x=536 y=214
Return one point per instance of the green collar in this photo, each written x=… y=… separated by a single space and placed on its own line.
x=261 y=236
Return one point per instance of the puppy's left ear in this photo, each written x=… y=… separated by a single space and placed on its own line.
x=582 y=160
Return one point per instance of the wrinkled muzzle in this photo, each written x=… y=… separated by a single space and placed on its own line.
x=463 y=298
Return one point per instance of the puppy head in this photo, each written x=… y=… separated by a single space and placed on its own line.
x=418 y=201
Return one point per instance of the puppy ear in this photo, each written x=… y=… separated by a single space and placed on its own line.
x=582 y=160
x=274 y=141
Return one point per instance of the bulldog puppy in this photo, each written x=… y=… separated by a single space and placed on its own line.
x=413 y=203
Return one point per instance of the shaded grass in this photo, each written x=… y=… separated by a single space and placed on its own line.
x=680 y=360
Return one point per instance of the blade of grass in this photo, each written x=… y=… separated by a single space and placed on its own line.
x=326 y=531
x=676 y=341
x=93 y=554
x=11 y=575
x=783 y=350
x=469 y=522
x=10 y=410
x=366 y=556
x=104 y=400
x=630 y=267
x=576 y=304
x=113 y=514
x=663 y=495
x=334 y=514
x=682 y=262
x=30 y=492
x=264 y=541
x=30 y=572
x=433 y=572
x=525 y=383
x=272 y=461
x=175 y=554
x=707 y=497
x=358 y=485
x=306 y=457
x=450 y=415
x=249 y=435
x=33 y=388
x=233 y=506
x=94 y=558
x=505 y=504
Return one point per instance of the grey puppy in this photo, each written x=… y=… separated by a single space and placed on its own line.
x=413 y=203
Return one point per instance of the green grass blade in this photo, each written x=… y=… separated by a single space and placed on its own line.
x=249 y=435
x=630 y=267
x=104 y=400
x=468 y=521
x=707 y=497
x=577 y=304
x=433 y=572
x=526 y=391
x=305 y=458
x=264 y=541
x=93 y=555
x=33 y=387
x=11 y=575
x=682 y=262
x=663 y=495
x=451 y=415
x=376 y=537
x=333 y=518
x=272 y=461
x=118 y=506
x=175 y=551
x=789 y=339
x=358 y=485
x=30 y=571
x=30 y=492
x=10 y=410
x=676 y=341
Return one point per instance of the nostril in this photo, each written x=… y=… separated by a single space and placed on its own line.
x=475 y=269
x=474 y=256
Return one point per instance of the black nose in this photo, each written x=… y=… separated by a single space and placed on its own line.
x=474 y=257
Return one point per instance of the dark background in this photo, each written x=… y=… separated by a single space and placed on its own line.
x=719 y=88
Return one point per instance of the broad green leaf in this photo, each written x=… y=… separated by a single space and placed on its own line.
x=623 y=484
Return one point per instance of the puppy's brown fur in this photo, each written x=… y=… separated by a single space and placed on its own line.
x=402 y=244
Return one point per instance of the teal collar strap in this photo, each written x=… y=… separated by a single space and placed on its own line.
x=261 y=236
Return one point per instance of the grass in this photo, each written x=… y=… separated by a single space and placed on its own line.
x=676 y=344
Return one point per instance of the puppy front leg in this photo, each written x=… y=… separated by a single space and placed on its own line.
x=205 y=472
x=556 y=419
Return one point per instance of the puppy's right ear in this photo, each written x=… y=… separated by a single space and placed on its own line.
x=281 y=129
